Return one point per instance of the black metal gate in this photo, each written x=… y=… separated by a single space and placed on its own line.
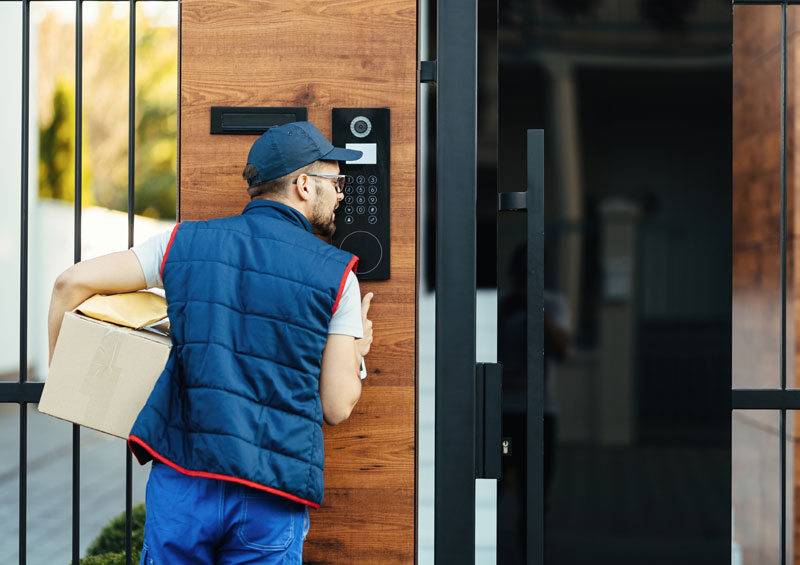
x=24 y=392
x=534 y=67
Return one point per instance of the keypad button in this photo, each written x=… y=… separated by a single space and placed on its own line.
x=373 y=209
x=373 y=179
x=373 y=189
x=372 y=220
x=348 y=219
x=360 y=179
x=360 y=189
x=348 y=190
x=349 y=179
x=348 y=199
x=360 y=210
x=348 y=210
x=373 y=199
x=361 y=199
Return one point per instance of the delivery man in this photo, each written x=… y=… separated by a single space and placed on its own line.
x=268 y=331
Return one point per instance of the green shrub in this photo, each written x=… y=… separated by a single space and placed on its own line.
x=109 y=547
x=111 y=558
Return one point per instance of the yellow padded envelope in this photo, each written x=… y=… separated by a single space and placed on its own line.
x=132 y=309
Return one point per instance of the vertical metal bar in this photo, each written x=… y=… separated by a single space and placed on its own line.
x=23 y=286
x=76 y=429
x=456 y=126
x=78 y=128
x=783 y=199
x=131 y=117
x=76 y=492
x=535 y=320
x=782 y=437
x=131 y=216
x=178 y=103
x=128 y=505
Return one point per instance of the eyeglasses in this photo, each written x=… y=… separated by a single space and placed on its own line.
x=338 y=185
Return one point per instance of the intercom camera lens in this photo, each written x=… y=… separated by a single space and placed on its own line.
x=360 y=126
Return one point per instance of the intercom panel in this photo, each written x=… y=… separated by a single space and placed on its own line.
x=362 y=220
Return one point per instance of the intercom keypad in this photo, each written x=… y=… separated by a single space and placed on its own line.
x=362 y=221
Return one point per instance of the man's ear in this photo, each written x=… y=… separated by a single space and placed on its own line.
x=302 y=188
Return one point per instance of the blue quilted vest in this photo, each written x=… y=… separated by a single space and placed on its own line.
x=249 y=301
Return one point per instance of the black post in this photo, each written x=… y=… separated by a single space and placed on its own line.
x=78 y=191
x=782 y=433
x=535 y=388
x=456 y=122
x=23 y=285
x=131 y=216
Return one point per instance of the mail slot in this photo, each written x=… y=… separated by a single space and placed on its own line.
x=250 y=120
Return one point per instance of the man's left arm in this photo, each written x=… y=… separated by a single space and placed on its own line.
x=110 y=274
x=339 y=382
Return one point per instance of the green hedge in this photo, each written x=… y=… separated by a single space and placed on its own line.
x=111 y=558
x=109 y=547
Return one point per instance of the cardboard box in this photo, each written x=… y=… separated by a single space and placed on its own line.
x=102 y=374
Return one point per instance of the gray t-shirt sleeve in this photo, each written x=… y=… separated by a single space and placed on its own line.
x=150 y=255
x=346 y=320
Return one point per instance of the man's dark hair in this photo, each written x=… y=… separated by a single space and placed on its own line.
x=273 y=188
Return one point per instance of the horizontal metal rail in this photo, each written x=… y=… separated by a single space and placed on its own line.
x=765 y=2
x=765 y=399
x=20 y=392
x=742 y=399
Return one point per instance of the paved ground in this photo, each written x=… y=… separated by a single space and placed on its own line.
x=50 y=486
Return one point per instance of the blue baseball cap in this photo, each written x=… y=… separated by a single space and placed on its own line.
x=286 y=148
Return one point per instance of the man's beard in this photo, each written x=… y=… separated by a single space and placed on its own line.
x=321 y=221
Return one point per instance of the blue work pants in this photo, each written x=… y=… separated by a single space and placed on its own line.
x=199 y=521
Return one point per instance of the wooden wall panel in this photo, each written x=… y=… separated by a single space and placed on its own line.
x=756 y=196
x=341 y=53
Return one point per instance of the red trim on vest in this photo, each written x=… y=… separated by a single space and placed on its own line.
x=351 y=266
x=166 y=252
x=205 y=475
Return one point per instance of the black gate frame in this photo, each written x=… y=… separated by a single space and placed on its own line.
x=781 y=399
x=456 y=453
x=456 y=78
x=23 y=392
